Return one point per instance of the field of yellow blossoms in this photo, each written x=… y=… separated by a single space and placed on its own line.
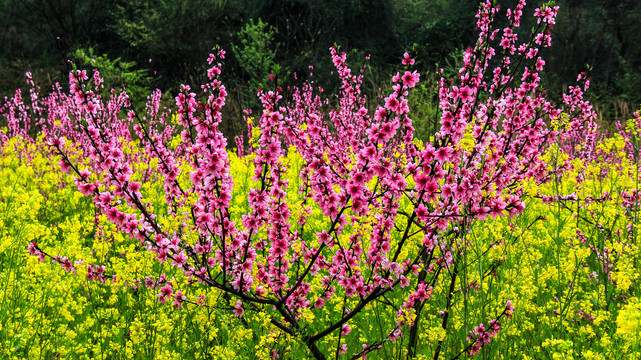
x=570 y=265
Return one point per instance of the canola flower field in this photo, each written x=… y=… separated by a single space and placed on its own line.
x=333 y=233
x=569 y=263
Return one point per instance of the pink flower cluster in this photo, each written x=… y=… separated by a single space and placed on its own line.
x=482 y=336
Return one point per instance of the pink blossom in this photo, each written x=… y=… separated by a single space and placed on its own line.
x=410 y=79
x=407 y=60
x=345 y=330
x=165 y=293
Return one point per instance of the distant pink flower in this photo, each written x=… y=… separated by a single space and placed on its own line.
x=345 y=330
x=178 y=299
x=509 y=309
x=86 y=189
x=324 y=238
x=466 y=94
x=165 y=293
x=134 y=186
x=410 y=79
x=56 y=142
x=392 y=103
x=238 y=309
x=407 y=60
x=179 y=259
x=443 y=154
x=33 y=248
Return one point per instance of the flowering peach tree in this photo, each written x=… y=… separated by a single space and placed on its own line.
x=347 y=218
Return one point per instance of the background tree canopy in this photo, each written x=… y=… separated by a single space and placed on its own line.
x=164 y=43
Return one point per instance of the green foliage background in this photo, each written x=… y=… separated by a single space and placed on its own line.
x=170 y=40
